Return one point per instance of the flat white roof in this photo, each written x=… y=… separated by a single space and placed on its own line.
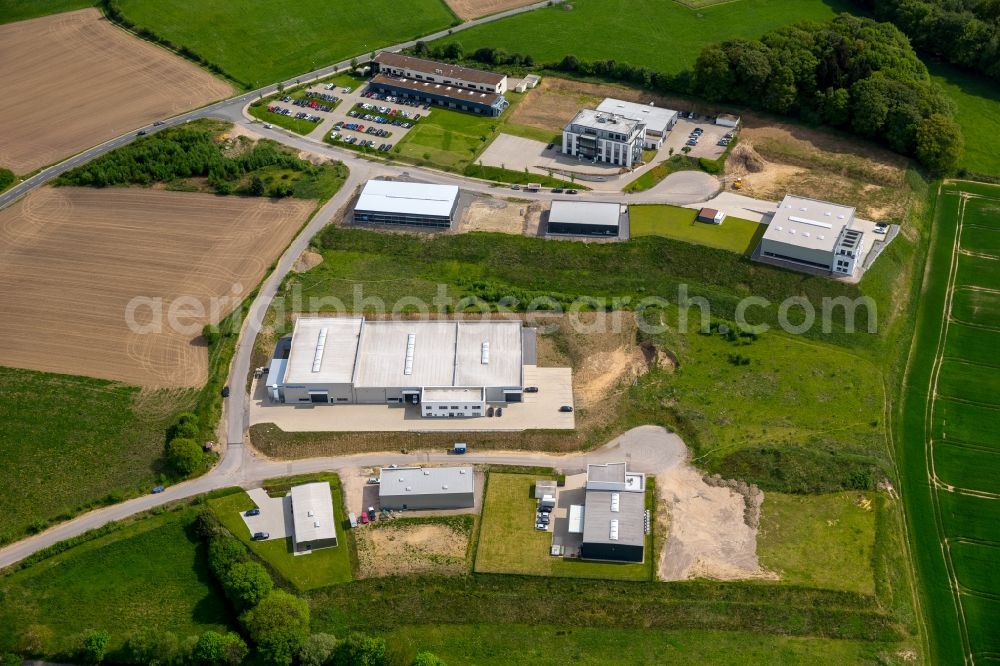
x=611 y=122
x=585 y=212
x=403 y=481
x=312 y=512
x=808 y=223
x=576 y=514
x=389 y=196
x=335 y=360
x=656 y=118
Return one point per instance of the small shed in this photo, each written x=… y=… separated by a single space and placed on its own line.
x=727 y=120
x=711 y=216
x=544 y=487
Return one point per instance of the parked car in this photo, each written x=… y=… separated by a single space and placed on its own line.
x=550 y=146
x=141 y=133
x=371 y=513
x=557 y=190
x=540 y=526
x=268 y=126
x=352 y=519
x=252 y=512
x=499 y=411
x=158 y=489
x=565 y=408
x=515 y=186
x=158 y=123
x=364 y=518
x=225 y=391
x=373 y=479
x=881 y=228
x=571 y=191
x=489 y=411
x=261 y=536
x=531 y=389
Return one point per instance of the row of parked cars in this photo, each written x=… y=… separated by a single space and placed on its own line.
x=301 y=115
x=695 y=135
x=326 y=97
x=313 y=104
x=543 y=517
x=389 y=111
x=371 y=94
x=382 y=120
x=727 y=139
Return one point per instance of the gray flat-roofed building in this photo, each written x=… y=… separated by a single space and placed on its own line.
x=658 y=120
x=433 y=71
x=604 y=137
x=584 y=218
x=614 y=514
x=408 y=204
x=312 y=517
x=415 y=488
x=815 y=234
x=544 y=487
x=454 y=367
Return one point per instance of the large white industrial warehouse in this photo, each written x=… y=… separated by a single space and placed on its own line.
x=450 y=368
x=409 y=204
x=814 y=234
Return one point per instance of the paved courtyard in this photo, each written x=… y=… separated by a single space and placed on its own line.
x=538 y=411
x=275 y=515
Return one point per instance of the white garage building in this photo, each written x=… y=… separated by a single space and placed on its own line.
x=814 y=234
x=451 y=368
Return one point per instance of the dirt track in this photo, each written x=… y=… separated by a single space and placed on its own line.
x=470 y=9
x=71 y=259
x=73 y=80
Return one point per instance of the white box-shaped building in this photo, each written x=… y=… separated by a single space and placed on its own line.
x=814 y=234
x=451 y=368
x=407 y=204
x=414 y=488
x=312 y=517
x=604 y=137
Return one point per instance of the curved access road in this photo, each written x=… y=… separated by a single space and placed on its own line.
x=648 y=449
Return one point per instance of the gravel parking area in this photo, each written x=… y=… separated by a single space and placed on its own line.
x=707 y=144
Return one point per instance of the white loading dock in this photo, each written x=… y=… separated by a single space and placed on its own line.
x=814 y=234
x=417 y=488
x=407 y=204
x=312 y=517
x=658 y=121
x=456 y=366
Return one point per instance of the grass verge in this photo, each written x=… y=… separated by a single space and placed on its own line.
x=734 y=234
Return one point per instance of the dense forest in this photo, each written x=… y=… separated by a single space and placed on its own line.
x=851 y=73
x=963 y=32
x=195 y=151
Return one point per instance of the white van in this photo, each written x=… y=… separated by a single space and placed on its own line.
x=353 y=519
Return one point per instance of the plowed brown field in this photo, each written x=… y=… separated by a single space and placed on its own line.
x=470 y=9
x=72 y=259
x=71 y=81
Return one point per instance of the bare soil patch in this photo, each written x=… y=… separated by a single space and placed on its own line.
x=470 y=9
x=73 y=80
x=307 y=260
x=507 y=217
x=72 y=259
x=409 y=549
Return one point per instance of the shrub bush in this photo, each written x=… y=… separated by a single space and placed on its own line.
x=184 y=455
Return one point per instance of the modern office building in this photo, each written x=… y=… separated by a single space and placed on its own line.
x=584 y=218
x=658 y=121
x=614 y=521
x=312 y=517
x=604 y=137
x=451 y=368
x=407 y=204
x=414 y=488
x=448 y=86
x=814 y=234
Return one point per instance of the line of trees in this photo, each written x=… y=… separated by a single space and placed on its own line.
x=963 y=32
x=852 y=73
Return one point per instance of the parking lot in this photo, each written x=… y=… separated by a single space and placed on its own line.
x=708 y=140
x=361 y=118
x=275 y=517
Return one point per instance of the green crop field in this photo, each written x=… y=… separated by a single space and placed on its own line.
x=952 y=445
x=976 y=306
x=819 y=540
x=87 y=442
x=148 y=574
x=263 y=41
x=20 y=10
x=977 y=110
x=327 y=566
x=626 y=34
x=509 y=542
x=734 y=234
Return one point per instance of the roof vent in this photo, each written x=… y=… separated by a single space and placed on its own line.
x=309 y=513
x=426 y=473
x=615 y=502
x=409 y=487
x=779 y=228
x=315 y=523
x=614 y=531
x=444 y=487
x=461 y=471
x=484 y=354
x=411 y=340
x=320 y=346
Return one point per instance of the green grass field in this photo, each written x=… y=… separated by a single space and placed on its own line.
x=297 y=125
x=328 y=566
x=819 y=540
x=88 y=439
x=668 y=166
x=734 y=234
x=260 y=42
x=509 y=542
x=977 y=110
x=626 y=33
x=931 y=420
x=542 y=645
x=20 y=10
x=147 y=574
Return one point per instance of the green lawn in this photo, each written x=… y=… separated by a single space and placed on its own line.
x=262 y=41
x=665 y=36
x=149 y=574
x=509 y=542
x=544 y=645
x=977 y=102
x=328 y=566
x=819 y=540
x=298 y=125
x=84 y=441
x=660 y=171
x=19 y=10
x=448 y=139
x=734 y=234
